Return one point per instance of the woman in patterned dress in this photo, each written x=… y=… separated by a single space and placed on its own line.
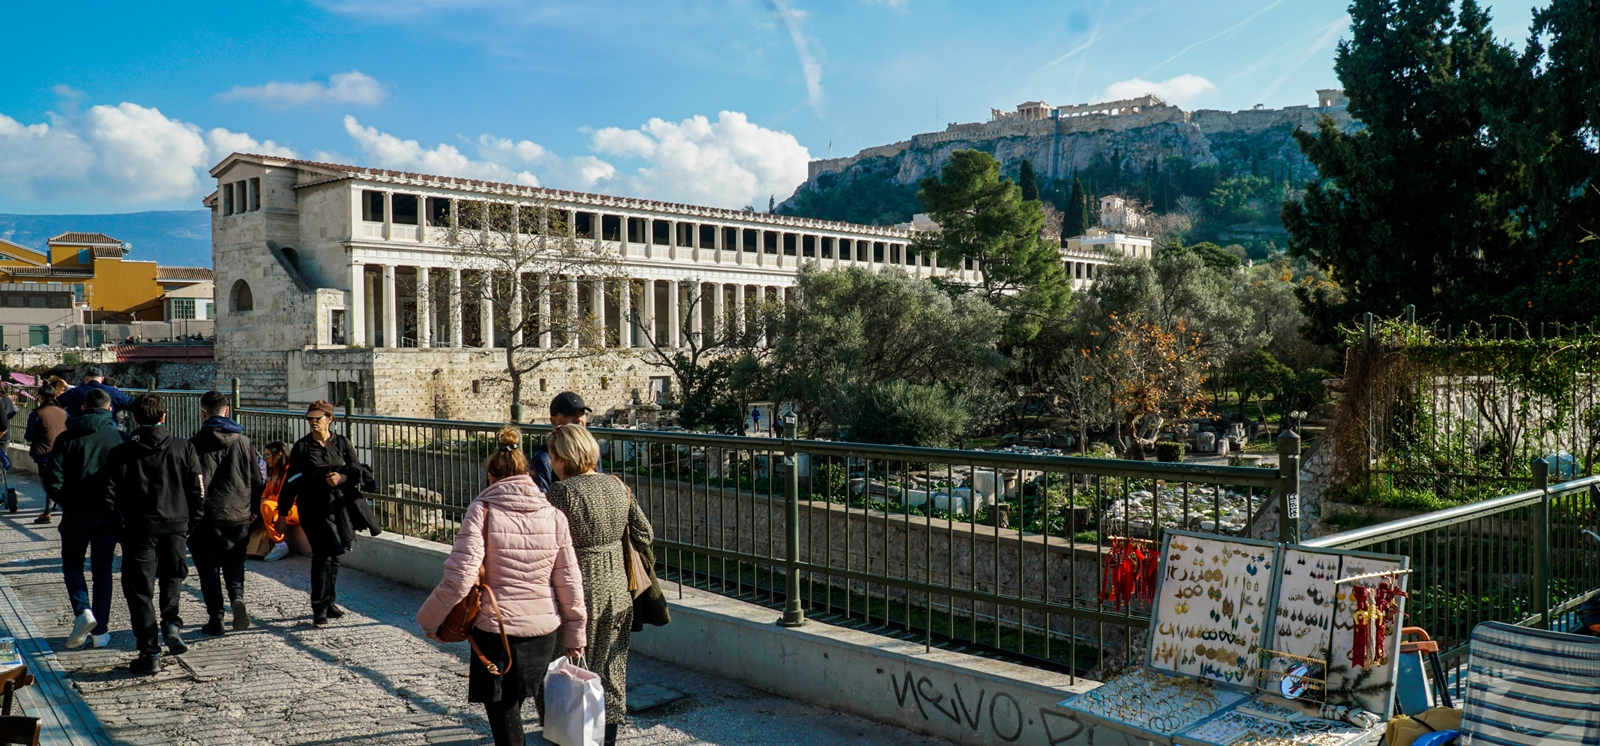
x=601 y=513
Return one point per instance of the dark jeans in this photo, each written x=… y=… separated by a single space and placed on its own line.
x=218 y=552
x=147 y=560
x=88 y=533
x=324 y=579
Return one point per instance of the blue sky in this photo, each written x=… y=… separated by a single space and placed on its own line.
x=115 y=107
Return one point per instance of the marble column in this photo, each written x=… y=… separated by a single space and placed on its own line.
x=697 y=312
x=388 y=219
x=574 y=321
x=740 y=320
x=597 y=309
x=369 y=320
x=456 y=338
x=391 y=329
x=647 y=319
x=719 y=312
x=424 y=308
x=625 y=336
x=545 y=323
x=674 y=314
x=514 y=319
x=486 y=318
x=356 y=314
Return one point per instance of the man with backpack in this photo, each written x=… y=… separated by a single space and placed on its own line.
x=155 y=487
x=233 y=492
x=75 y=474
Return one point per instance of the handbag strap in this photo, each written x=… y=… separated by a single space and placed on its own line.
x=483 y=586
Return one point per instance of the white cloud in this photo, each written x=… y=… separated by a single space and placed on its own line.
x=1180 y=90
x=727 y=163
x=354 y=87
x=808 y=62
x=387 y=151
x=125 y=154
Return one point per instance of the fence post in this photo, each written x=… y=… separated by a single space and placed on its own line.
x=793 y=614
x=1541 y=543
x=152 y=382
x=349 y=409
x=234 y=402
x=1289 y=487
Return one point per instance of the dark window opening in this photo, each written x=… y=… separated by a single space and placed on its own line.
x=861 y=250
x=751 y=238
x=255 y=194
x=808 y=246
x=227 y=199
x=438 y=212
x=827 y=247
x=927 y=259
x=789 y=244
x=708 y=237
x=372 y=206
x=241 y=299
x=769 y=242
x=730 y=239
x=336 y=327
x=585 y=225
x=559 y=222
x=877 y=251
x=471 y=216
x=405 y=209
x=241 y=198
x=967 y=261
x=660 y=232
x=686 y=234
x=611 y=228
x=636 y=230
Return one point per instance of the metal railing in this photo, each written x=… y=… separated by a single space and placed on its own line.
x=994 y=552
x=1520 y=558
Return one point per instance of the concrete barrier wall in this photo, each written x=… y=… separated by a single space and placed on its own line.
x=965 y=698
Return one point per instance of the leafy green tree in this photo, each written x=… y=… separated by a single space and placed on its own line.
x=870 y=196
x=901 y=413
x=984 y=217
x=1029 y=182
x=1417 y=206
x=1262 y=376
x=1216 y=257
x=851 y=330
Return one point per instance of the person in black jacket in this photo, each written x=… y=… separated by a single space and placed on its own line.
x=233 y=500
x=323 y=469
x=156 y=489
x=75 y=474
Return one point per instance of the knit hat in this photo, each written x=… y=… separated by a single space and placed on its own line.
x=321 y=406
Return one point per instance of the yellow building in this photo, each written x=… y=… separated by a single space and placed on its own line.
x=109 y=286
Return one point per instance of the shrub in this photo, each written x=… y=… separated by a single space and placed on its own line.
x=1170 y=451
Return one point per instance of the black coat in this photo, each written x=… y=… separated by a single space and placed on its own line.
x=329 y=515
x=154 y=483
x=233 y=480
x=76 y=474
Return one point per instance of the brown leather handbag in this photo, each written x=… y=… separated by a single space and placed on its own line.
x=457 y=624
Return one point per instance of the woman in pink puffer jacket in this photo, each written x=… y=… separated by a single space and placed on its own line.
x=533 y=574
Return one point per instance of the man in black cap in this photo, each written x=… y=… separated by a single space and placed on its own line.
x=566 y=409
x=94 y=378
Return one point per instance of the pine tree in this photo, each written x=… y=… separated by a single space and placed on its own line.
x=1029 y=182
x=1416 y=207
x=1075 y=221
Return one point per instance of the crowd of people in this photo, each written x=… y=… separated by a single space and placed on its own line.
x=547 y=539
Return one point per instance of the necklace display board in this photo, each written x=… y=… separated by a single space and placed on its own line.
x=1253 y=643
x=1311 y=673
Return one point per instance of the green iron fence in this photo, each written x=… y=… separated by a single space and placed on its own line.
x=1521 y=558
x=990 y=551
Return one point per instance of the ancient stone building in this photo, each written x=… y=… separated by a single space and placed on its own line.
x=338 y=281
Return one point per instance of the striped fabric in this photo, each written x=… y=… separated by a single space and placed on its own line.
x=1528 y=686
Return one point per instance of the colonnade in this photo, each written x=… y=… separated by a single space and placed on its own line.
x=395 y=306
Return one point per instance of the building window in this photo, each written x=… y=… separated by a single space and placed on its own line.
x=751 y=238
x=38 y=336
x=340 y=391
x=769 y=242
x=660 y=232
x=405 y=209
x=211 y=309
x=708 y=236
x=827 y=248
x=255 y=194
x=877 y=252
x=372 y=206
x=227 y=198
x=438 y=212
x=336 y=327
x=789 y=244
x=182 y=309
x=241 y=300
x=83 y=256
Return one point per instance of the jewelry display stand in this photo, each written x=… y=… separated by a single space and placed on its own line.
x=1238 y=625
x=1309 y=655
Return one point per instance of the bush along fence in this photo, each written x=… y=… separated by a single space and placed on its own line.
x=1439 y=415
x=1000 y=553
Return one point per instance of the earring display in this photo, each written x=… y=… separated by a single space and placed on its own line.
x=1204 y=596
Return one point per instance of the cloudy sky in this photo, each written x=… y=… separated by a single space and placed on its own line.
x=113 y=107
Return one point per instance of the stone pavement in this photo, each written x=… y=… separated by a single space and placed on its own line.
x=369 y=678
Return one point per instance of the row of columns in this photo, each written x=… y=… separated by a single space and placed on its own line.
x=374 y=313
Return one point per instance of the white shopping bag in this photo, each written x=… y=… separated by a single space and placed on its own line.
x=574 y=705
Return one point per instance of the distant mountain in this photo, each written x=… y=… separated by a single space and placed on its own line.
x=176 y=237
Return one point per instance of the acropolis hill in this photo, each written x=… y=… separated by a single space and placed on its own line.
x=1135 y=134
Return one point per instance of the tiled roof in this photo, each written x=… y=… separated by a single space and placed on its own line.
x=92 y=238
x=109 y=252
x=183 y=273
x=379 y=174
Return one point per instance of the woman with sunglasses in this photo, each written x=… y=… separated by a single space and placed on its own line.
x=319 y=464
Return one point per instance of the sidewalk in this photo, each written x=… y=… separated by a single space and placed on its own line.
x=369 y=678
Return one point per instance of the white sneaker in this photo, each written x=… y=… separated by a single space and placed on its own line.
x=279 y=551
x=100 y=641
x=80 y=629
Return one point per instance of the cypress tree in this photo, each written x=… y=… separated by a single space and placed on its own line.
x=1029 y=182
x=1075 y=221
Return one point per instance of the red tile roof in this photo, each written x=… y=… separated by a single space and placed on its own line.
x=183 y=273
x=88 y=238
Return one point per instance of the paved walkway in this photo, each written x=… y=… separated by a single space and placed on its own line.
x=368 y=678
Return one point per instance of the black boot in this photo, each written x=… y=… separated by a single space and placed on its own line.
x=241 y=615
x=147 y=664
x=213 y=628
x=174 y=641
x=611 y=734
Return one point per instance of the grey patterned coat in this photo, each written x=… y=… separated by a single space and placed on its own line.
x=599 y=511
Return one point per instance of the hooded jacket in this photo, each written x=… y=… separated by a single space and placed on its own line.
x=532 y=567
x=154 y=483
x=76 y=473
x=228 y=462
